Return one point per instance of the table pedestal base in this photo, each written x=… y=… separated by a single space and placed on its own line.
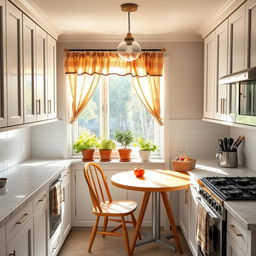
x=155 y=237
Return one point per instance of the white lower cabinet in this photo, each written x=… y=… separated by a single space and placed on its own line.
x=41 y=224
x=188 y=217
x=66 y=215
x=232 y=247
x=2 y=241
x=22 y=242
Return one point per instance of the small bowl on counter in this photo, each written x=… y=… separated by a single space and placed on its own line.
x=3 y=182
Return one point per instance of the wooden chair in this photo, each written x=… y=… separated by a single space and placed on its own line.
x=99 y=190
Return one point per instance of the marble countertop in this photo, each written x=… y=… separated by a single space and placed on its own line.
x=24 y=180
x=245 y=211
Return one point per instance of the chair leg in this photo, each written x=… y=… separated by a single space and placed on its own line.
x=134 y=222
x=125 y=236
x=93 y=233
x=105 y=224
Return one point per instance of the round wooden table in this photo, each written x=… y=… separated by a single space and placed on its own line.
x=156 y=182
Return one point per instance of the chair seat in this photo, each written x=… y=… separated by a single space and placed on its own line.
x=116 y=208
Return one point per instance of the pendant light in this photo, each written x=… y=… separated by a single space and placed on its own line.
x=129 y=49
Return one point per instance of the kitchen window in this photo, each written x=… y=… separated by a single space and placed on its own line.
x=116 y=106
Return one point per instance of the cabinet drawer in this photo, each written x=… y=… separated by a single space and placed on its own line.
x=238 y=232
x=2 y=235
x=18 y=220
x=40 y=200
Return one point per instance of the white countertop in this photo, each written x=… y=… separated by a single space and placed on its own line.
x=245 y=211
x=24 y=180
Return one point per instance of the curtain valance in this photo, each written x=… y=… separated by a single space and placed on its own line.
x=109 y=63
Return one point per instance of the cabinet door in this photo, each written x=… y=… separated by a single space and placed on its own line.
x=232 y=247
x=209 y=75
x=184 y=211
x=237 y=40
x=22 y=243
x=192 y=221
x=41 y=91
x=14 y=64
x=66 y=217
x=250 y=33
x=29 y=29
x=2 y=241
x=51 y=78
x=41 y=231
x=3 y=95
x=221 y=68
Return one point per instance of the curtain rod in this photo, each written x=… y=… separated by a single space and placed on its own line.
x=110 y=50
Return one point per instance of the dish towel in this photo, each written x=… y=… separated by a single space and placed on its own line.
x=55 y=199
x=202 y=229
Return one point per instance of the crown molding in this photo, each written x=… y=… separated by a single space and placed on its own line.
x=165 y=38
x=36 y=14
x=224 y=11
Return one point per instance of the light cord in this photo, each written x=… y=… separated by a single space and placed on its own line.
x=129 y=22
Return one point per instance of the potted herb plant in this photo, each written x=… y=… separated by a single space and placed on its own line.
x=146 y=147
x=86 y=144
x=105 y=147
x=125 y=139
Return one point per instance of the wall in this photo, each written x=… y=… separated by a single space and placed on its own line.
x=15 y=147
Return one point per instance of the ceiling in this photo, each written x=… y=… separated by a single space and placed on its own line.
x=104 y=17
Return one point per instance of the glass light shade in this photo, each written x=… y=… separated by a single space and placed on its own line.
x=129 y=51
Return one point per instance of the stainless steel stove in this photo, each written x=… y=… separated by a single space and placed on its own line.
x=232 y=188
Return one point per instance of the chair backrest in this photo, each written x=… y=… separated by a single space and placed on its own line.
x=97 y=184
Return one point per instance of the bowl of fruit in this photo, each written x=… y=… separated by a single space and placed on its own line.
x=183 y=163
x=139 y=172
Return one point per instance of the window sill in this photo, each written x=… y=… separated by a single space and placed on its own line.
x=116 y=164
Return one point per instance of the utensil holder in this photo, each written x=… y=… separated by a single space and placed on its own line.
x=227 y=159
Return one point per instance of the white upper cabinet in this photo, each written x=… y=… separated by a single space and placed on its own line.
x=41 y=79
x=29 y=31
x=237 y=49
x=209 y=75
x=251 y=33
x=14 y=64
x=51 y=78
x=3 y=95
x=221 y=69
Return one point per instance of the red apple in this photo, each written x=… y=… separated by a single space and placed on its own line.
x=139 y=172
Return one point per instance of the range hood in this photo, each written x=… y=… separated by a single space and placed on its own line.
x=245 y=75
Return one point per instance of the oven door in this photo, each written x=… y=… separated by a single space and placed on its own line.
x=246 y=107
x=217 y=233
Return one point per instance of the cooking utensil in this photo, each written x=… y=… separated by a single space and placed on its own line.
x=225 y=142
x=237 y=143
x=220 y=141
x=231 y=141
x=2 y=182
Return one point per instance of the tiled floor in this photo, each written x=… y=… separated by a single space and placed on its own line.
x=77 y=242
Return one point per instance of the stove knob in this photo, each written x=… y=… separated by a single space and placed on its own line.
x=209 y=201
x=217 y=208
x=213 y=203
x=201 y=192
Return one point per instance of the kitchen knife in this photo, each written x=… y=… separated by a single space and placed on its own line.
x=220 y=141
x=237 y=143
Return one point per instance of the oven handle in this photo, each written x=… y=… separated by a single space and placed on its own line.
x=212 y=214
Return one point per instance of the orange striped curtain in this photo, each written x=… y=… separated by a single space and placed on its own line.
x=84 y=69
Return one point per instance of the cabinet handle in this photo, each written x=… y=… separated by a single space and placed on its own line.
x=224 y=106
x=12 y=253
x=234 y=229
x=43 y=198
x=63 y=195
x=49 y=106
x=23 y=218
x=38 y=107
x=186 y=196
x=221 y=105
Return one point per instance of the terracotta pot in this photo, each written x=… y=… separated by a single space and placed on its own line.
x=124 y=154
x=105 y=155
x=144 y=155
x=88 y=155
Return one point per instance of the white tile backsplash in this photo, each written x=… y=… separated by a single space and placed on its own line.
x=15 y=147
x=247 y=150
x=49 y=140
x=197 y=138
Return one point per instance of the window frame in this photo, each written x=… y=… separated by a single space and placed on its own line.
x=104 y=128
